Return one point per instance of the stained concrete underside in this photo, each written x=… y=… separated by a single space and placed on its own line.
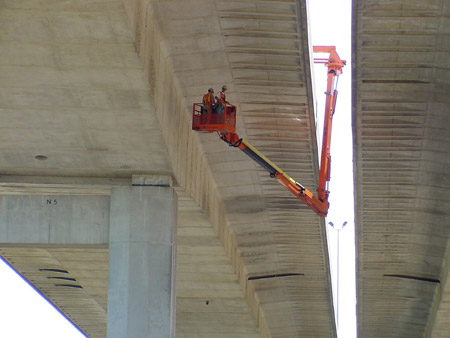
x=73 y=89
x=401 y=127
x=102 y=101
x=210 y=301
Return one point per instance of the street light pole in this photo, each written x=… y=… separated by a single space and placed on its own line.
x=338 y=229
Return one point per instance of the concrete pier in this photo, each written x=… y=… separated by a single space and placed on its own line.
x=141 y=295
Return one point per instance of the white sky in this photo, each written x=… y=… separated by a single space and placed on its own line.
x=330 y=24
x=24 y=313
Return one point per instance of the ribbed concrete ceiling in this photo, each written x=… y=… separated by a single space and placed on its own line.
x=74 y=91
x=402 y=146
x=265 y=230
x=210 y=302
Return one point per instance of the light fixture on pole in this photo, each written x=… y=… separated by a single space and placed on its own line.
x=338 y=228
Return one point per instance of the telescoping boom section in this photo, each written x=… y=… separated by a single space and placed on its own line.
x=206 y=119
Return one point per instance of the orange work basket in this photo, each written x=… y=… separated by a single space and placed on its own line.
x=214 y=117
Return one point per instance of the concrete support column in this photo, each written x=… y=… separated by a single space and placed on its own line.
x=141 y=294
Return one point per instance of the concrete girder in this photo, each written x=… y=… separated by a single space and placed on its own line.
x=401 y=146
x=89 y=83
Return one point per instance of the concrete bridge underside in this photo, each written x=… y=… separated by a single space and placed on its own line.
x=104 y=89
x=94 y=92
x=401 y=125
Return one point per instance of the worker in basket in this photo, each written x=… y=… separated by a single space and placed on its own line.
x=209 y=103
x=222 y=102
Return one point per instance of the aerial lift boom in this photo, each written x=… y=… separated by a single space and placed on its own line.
x=225 y=125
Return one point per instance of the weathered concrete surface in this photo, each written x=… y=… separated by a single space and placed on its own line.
x=439 y=317
x=260 y=50
x=73 y=90
x=74 y=279
x=401 y=152
x=87 y=108
x=142 y=252
x=210 y=301
x=54 y=219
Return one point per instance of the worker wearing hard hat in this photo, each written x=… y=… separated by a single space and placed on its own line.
x=222 y=99
x=209 y=102
x=222 y=96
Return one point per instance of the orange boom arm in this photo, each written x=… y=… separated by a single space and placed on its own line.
x=334 y=64
x=225 y=125
x=303 y=194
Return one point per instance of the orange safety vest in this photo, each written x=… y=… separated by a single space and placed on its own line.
x=222 y=97
x=208 y=98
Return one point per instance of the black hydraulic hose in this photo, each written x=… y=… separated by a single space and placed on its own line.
x=263 y=163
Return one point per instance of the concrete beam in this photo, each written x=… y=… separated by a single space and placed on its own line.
x=54 y=219
x=437 y=325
